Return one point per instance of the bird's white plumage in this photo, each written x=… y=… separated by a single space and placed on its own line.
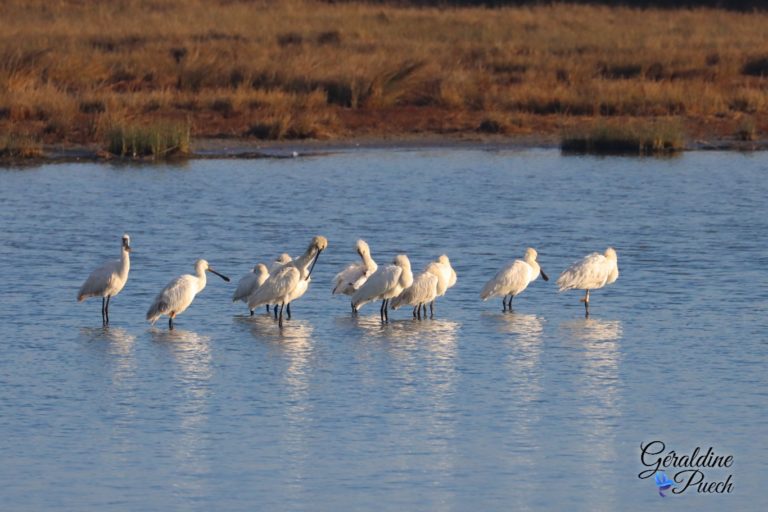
x=446 y=276
x=349 y=280
x=280 y=262
x=177 y=295
x=291 y=280
x=387 y=282
x=422 y=291
x=250 y=282
x=277 y=288
x=591 y=272
x=110 y=278
x=512 y=279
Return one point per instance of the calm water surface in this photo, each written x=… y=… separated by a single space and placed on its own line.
x=473 y=410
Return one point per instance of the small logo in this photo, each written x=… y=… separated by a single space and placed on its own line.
x=663 y=483
x=689 y=470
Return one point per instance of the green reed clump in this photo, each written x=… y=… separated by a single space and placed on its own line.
x=158 y=141
x=20 y=146
x=642 y=138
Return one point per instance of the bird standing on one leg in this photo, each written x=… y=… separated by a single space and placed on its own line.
x=177 y=295
x=590 y=273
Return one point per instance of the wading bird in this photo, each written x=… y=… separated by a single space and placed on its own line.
x=446 y=278
x=386 y=283
x=590 y=273
x=276 y=265
x=349 y=280
x=107 y=280
x=291 y=281
x=250 y=282
x=422 y=291
x=513 y=279
x=179 y=294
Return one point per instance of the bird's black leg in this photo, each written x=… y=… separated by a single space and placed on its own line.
x=386 y=308
x=586 y=305
x=275 y=311
x=354 y=311
x=418 y=314
x=103 y=318
x=288 y=310
x=504 y=303
x=267 y=308
x=170 y=323
x=280 y=321
x=106 y=309
x=381 y=309
x=431 y=310
x=510 y=302
x=252 y=312
x=417 y=308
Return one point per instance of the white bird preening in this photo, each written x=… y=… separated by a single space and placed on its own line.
x=446 y=278
x=250 y=282
x=177 y=295
x=289 y=282
x=107 y=280
x=386 y=283
x=354 y=275
x=590 y=273
x=513 y=278
x=276 y=265
x=420 y=293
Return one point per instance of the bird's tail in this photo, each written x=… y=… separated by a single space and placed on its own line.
x=155 y=311
x=488 y=290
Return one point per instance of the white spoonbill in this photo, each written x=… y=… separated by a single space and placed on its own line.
x=513 y=278
x=290 y=281
x=446 y=278
x=250 y=282
x=420 y=293
x=386 y=283
x=107 y=280
x=349 y=280
x=276 y=265
x=179 y=294
x=590 y=273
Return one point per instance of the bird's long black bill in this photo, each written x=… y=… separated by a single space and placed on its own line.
x=220 y=275
x=313 y=264
x=543 y=275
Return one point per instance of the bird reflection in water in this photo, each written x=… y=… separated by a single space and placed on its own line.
x=596 y=388
x=294 y=350
x=118 y=345
x=193 y=371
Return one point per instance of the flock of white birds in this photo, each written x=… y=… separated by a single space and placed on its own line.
x=287 y=280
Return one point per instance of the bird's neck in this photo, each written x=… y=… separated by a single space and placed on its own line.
x=368 y=261
x=125 y=263
x=302 y=262
x=202 y=279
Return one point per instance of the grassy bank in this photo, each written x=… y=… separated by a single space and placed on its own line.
x=71 y=71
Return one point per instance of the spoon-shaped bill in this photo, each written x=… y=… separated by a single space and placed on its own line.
x=543 y=275
x=220 y=275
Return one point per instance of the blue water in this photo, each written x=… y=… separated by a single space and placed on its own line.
x=473 y=410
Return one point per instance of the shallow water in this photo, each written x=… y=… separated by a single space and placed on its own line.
x=475 y=409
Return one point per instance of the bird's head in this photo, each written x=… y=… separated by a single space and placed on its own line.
x=362 y=248
x=126 y=243
x=610 y=253
x=401 y=260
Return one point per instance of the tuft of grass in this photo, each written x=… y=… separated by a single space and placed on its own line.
x=747 y=130
x=158 y=141
x=14 y=146
x=640 y=138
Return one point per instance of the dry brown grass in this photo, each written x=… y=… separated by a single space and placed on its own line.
x=69 y=70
